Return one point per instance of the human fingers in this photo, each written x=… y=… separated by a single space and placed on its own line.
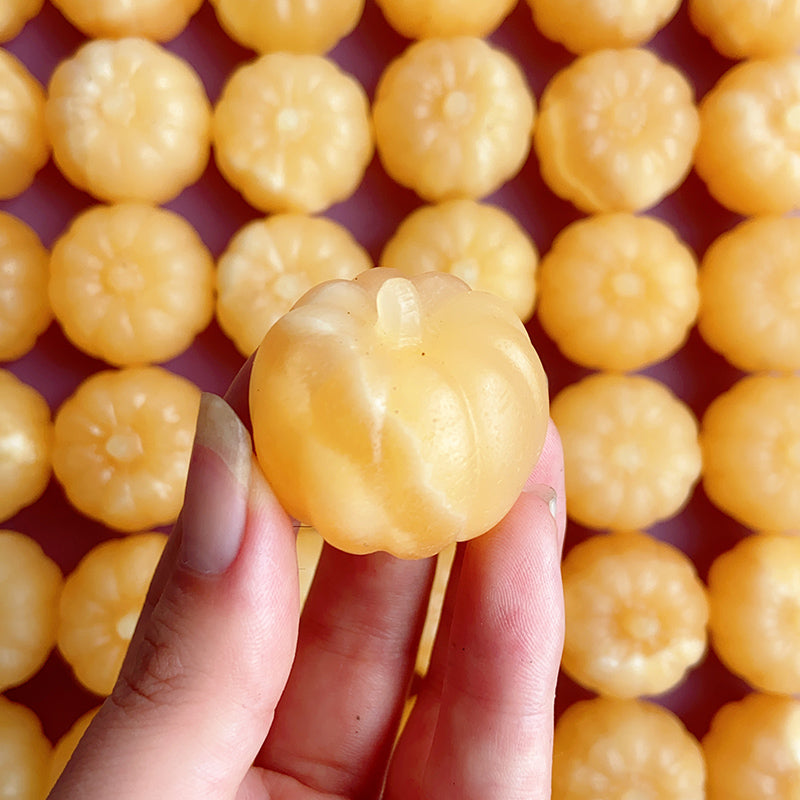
x=483 y=720
x=210 y=658
x=337 y=720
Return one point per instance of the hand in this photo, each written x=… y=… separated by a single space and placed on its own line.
x=227 y=692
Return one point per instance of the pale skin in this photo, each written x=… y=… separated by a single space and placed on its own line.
x=228 y=693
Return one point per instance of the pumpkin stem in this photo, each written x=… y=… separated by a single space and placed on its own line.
x=399 y=315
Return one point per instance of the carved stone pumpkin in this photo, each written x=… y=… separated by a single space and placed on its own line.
x=398 y=414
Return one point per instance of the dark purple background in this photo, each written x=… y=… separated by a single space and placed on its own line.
x=55 y=368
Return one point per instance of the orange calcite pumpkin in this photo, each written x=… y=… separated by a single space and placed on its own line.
x=398 y=414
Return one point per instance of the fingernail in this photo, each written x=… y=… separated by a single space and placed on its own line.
x=215 y=507
x=546 y=493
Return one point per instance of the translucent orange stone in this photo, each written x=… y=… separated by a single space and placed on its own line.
x=748 y=28
x=480 y=243
x=65 y=746
x=636 y=615
x=748 y=153
x=616 y=130
x=159 y=20
x=271 y=25
x=618 y=291
x=398 y=414
x=24 y=145
x=755 y=611
x=753 y=749
x=586 y=25
x=24 y=304
x=26 y=440
x=30 y=587
x=424 y=19
x=100 y=606
x=24 y=753
x=630 y=449
x=128 y=120
x=148 y=275
x=122 y=446
x=453 y=118
x=624 y=749
x=750 y=437
x=270 y=263
x=750 y=289
x=292 y=133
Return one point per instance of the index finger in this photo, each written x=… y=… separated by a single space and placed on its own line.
x=482 y=724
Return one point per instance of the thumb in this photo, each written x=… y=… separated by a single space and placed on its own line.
x=215 y=642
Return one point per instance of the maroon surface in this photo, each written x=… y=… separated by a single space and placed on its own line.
x=55 y=368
